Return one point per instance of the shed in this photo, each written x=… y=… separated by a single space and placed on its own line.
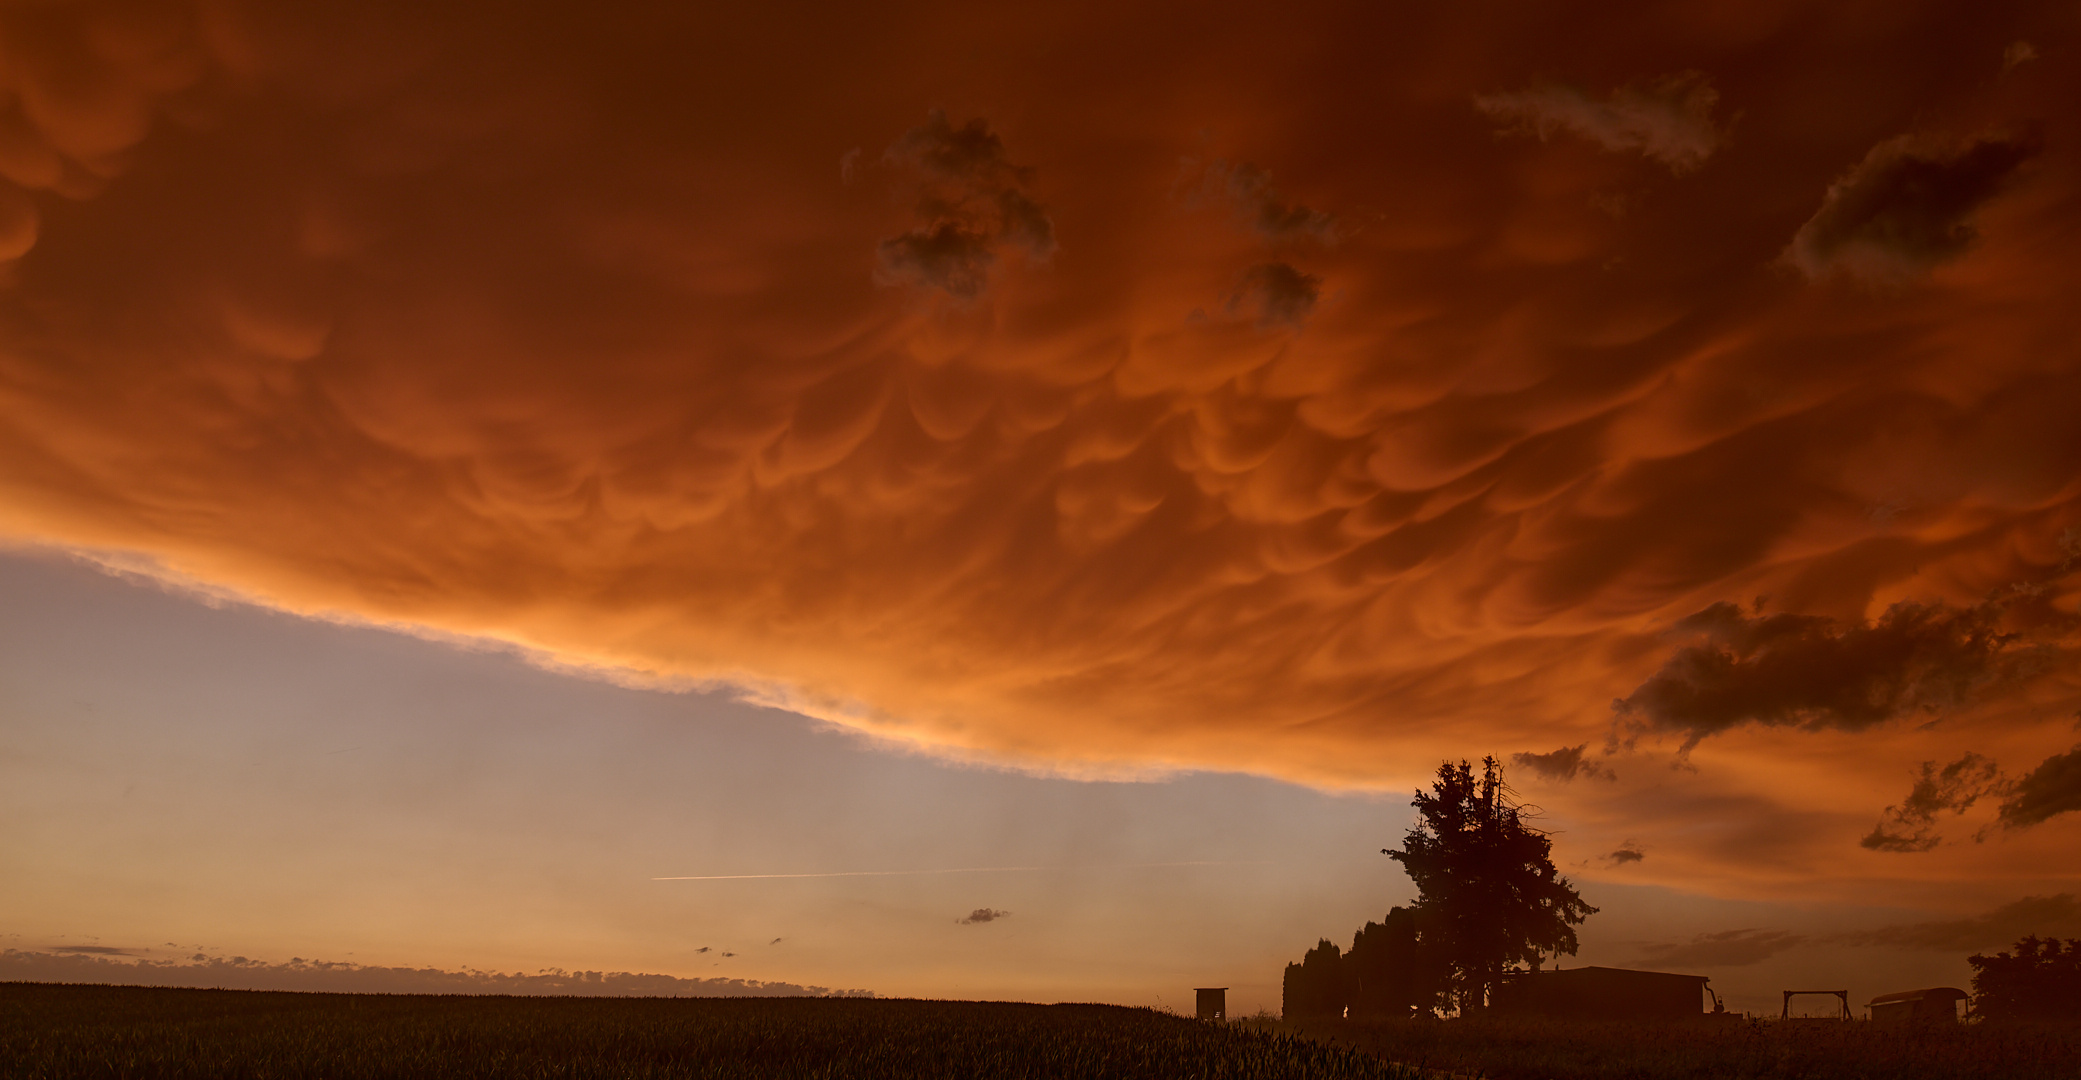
x=1602 y=993
x=1937 y=1004
x=1213 y=1002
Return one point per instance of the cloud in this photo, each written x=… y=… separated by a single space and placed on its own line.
x=974 y=205
x=1816 y=673
x=558 y=331
x=2051 y=789
x=1726 y=948
x=1910 y=826
x=1905 y=207
x=91 y=950
x=2054 y=916
x=1278 y=293
x=981 y=915
x=1563 y=764
x=1668 y=119
x=241 y=973
x=1274 y=217
x=775 y=941
x=1629 y=852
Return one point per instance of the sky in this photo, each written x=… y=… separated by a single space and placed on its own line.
x=461 y=463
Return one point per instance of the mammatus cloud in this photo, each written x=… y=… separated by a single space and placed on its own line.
x=1906 y=207
x=1564 y=764
x=240 y=973
x=974 y=205
x=2056 y=915
x=558 y=328
x=2051 y=789
x=1817 y=673
x=1726 y=948
x=1911 y=825
x=981 y=915
x=1668 y=119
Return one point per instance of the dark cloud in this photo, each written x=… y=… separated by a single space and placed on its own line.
x=1628 y=852
x=1668 y=119
x=1278 y=293
x=981 y=915
x=1813 y=672
x=1904 y=208
x=2051 y=789
x=2058 y=915
x=91 y=950
x=702 y=949
x=1564 y=764
x=1727 y=948
x=1268 y=212
x=776 y=941
x=241 y=973
x=973 y=206
x=1911 y=825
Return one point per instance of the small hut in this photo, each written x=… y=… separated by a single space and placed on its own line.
x=1602 y=993
x=1938 y=1004
x=1213 y=1002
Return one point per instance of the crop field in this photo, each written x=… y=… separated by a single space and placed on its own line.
x=55 y=1031
x=1731 y=1049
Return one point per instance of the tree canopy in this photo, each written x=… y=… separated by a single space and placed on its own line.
x=1488 y=897
x=2040 y=980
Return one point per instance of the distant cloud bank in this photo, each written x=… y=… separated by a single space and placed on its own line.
x=95 y=964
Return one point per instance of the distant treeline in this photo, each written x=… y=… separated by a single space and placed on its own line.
x=1386 y=975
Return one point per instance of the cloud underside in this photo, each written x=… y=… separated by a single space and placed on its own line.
x=560 y=331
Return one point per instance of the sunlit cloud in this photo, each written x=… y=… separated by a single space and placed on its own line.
x=559 y=331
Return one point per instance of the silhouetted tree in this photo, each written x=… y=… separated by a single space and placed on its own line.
x=1394 y=974
x=1318 y=986
x=1488 y=898
x=2039 y=981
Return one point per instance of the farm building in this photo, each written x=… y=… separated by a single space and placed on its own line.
x=1938 y=1003
x=1602 y=993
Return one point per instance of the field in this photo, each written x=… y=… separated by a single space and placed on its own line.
x=52 y=1031
x=1721 y=1050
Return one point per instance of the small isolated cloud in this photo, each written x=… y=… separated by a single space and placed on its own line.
x=702 y=949
x=974 y=205
x=2051 y=789
x=776 y=941
x=1815 y=673
x=2058 y=915
x=982 y=915
x=1268 y=212
x=1627 y=853
x=1904 y=208
x=1911 y=825
x=1563 y=765
x=91 y=950
x=1727 y=948
x=1668 y=119
x=1280 y=294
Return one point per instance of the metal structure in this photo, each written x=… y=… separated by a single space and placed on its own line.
x=1213 y=1002
x=1601 y=993
x=1938 y=1004
x=1843 y=995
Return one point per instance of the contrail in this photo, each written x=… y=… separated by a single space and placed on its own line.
x=955 y=870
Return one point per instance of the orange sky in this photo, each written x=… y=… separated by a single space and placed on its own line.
x=1111 y=389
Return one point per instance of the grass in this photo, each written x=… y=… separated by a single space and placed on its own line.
x=48 y=1032
x=1721 y=1050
